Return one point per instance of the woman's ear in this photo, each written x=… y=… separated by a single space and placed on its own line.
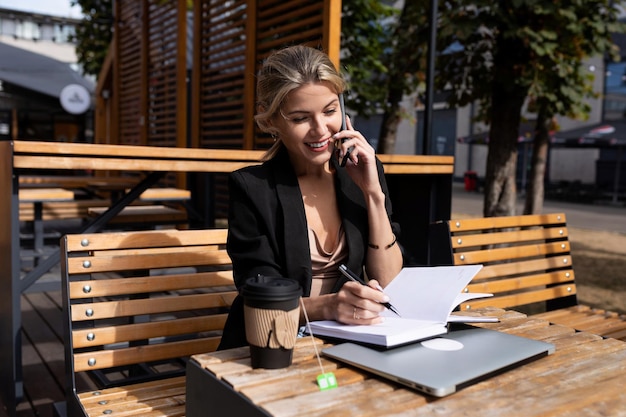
x=270 y=125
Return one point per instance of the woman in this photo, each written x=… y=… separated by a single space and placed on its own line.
x=299 y=214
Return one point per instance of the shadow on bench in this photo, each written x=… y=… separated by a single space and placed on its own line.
x=527 y=266
x=136 y=306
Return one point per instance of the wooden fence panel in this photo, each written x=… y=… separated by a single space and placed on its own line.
x=129 y=28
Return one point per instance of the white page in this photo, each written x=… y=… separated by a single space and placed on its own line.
x=454 y=318
x=391 y=332
x=466 y=296
x=428 y=293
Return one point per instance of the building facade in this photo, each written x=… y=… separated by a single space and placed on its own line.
x=38 y=62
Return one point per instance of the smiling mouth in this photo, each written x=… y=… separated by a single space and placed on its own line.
x=316 y=145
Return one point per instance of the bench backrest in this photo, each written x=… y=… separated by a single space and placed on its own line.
x=137 y=304
x=526 y=258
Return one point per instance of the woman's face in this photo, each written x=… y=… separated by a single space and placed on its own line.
x=310 y=117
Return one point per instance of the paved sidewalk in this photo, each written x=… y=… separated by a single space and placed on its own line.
x=583 y=216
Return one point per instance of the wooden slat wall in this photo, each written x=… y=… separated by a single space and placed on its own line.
x=232 y=39
x=164 y=32
x=220 y=72
x=129 y=29
x=283 y=23
x=151 y=68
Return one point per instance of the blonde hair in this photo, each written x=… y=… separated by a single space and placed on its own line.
x=284 y=71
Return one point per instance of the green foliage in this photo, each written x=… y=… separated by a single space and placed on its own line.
x=383 y=51
x=367 y=32
x=514 y=50
x=93 y=33
x=410 y=42
x=546 y=44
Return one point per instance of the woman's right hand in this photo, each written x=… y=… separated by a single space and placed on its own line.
x=359 y=304
x=362 y=166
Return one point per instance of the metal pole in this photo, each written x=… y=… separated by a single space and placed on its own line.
x=430 y=77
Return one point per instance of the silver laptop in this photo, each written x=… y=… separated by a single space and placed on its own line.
x=445 y=364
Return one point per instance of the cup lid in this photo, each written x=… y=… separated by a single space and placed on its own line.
x=271 y=288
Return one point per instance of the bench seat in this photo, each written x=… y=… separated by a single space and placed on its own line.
x=61 y=210
x=527 y=265
x=164 y=397
x=151 y=214
x=165 y=194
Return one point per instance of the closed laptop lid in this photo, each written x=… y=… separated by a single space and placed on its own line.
x=445 y=364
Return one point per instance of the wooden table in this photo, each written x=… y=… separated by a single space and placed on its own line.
x=420 y=188
x=586 y=376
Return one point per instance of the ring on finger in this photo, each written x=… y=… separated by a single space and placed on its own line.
x=356 y=317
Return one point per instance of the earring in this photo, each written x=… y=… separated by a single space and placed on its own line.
x=274 y=136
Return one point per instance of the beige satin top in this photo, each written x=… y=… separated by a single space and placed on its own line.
x=326 y=264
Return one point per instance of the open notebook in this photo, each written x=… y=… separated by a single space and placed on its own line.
x=424 y=297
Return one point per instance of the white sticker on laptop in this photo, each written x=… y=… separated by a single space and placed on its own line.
x=439 y=343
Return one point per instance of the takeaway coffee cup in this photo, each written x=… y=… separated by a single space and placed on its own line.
x=272 y=312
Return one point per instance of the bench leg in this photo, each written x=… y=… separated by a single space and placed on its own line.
x=38 y=235
x=59 y=409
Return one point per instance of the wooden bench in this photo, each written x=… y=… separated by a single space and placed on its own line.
x=165 y=194
x=80 y=208
x=527 y=266
x=34 y=202
x=147 y=216
x=61 y=210
x=37 y=197
x=106 y=187
x=136 y=306
x=75 y=181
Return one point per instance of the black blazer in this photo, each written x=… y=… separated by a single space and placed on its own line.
x=267 y=229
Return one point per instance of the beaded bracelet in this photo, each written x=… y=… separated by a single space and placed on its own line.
x=371 y=245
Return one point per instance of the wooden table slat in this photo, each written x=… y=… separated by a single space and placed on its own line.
x=307 y=383
x=320 y=401
x=55 y=162
x=240 y=381
x=401 y=401
x=45 y=194
x=536 y=388
x=152 y=152
x=131 y=151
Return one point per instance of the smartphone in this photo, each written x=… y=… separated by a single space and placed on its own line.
x=342 y=107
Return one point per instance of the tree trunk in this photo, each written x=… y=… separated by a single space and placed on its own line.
x=500 y=187
x=389 y=125
x=535 y=188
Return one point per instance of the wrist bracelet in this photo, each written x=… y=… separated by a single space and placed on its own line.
x=371 y=245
